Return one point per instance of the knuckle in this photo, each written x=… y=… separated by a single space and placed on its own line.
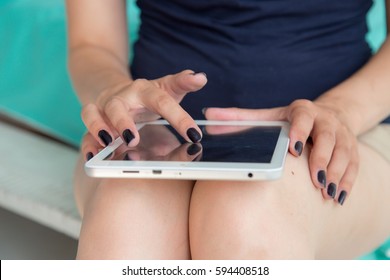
x=354 y=163
x=138 y=84
x=344 y=150
x=327 y=135
x=302 y=103
x=299 y=133
x=112 y=105
x=320 y=160
x=86 y=110
x=162 y=102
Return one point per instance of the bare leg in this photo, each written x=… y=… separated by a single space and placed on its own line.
x=288 y=218
x=132 y=219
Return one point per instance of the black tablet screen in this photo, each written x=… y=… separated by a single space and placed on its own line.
x=251 y=144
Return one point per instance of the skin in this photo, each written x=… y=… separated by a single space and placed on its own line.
x=290 y=218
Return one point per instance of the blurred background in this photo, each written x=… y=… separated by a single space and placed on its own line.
x=40 y=128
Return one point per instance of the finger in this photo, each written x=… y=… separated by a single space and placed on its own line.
x=348 y=179
x=274 y=114
x=301 y=125
x=181 y=83
x=337 y=167
x=163 y=104
x=134 y=155
x=89 y=146
x=120 y=118
x=225 y=129
x=323 y=146
x=96 y=124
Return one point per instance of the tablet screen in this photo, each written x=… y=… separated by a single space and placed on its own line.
x=250 y=144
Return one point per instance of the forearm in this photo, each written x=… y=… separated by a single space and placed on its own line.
x=94 y=70
x=363 y=100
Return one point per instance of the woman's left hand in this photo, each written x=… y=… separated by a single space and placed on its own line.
x=333 y=159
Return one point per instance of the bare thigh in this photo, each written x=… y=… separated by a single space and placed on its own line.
x=132 y=219
x=289 y=218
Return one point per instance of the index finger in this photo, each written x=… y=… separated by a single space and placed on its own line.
x=164 y=105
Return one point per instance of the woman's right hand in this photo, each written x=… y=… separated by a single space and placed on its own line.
x=118 y=109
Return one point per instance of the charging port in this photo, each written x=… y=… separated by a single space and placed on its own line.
x=157 y=171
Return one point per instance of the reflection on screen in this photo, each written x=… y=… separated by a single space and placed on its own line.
x=219 y=144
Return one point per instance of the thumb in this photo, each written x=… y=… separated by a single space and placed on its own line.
x=275 y=114
x=179 y=84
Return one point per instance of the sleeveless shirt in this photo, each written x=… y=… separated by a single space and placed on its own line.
x=256 y=53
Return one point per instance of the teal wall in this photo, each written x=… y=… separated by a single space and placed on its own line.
x=34 y=84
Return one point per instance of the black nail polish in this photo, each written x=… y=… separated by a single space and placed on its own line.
x=342 y=197
x=198 y=157
x=298 y=147
x=193 y=149
x=194 y=135
x=321 y=177
x=127 y=136
x=106 y=138
x=332 y=190
x=89 y=156
x=203 y=73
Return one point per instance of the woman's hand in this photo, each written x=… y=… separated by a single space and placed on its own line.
x=117 y=109
x=333 y=160
x=152 y=149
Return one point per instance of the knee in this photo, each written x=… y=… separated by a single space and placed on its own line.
x=240 y=223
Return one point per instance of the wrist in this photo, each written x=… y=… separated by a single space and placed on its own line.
x=344 y=111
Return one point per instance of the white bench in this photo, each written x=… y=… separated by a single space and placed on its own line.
x=36 y=179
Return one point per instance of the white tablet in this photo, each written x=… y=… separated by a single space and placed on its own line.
x=229 y=150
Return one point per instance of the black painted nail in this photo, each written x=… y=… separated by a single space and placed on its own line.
x=321 y=177
x=202 y=73
x=298 y=147
x=342 y=197
x=194 y=135
x=106 y=138
x=193 y=149
x=89 y=156
x=127 y=136
x=332 y=190
x=198 y=157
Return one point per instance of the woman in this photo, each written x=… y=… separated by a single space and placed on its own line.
x=303 y=61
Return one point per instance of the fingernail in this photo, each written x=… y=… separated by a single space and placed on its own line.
x=193 y=149
x=127 y=136
x=198 y=157
x=194 y=135
x=332 y=190
x=342 y=197
x=106 y=138
x=89 y=156
x=298 y=147
x=321 y=177
x=200 y=73
x=204 y=111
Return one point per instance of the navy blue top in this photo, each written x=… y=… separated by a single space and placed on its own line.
x=256 y=53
